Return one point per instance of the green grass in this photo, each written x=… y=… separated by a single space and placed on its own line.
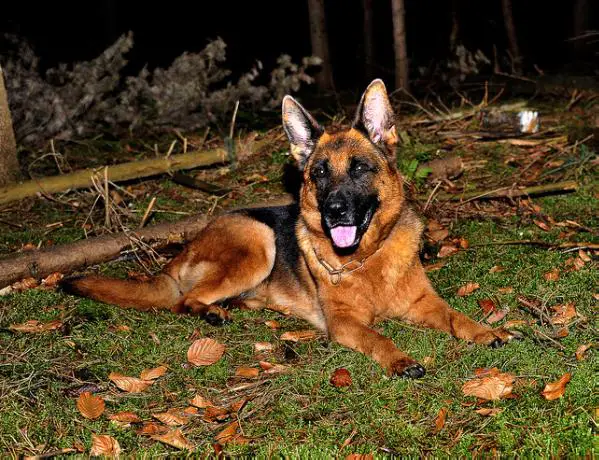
x=300 y=414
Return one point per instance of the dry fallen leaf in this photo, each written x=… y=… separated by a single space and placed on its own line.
x=204 y=352
x=272 y=324
x=552 y=275
x=440 y=420
x=542 y=225
x=52 y=279
x=487 y=411
x=299 y=336
x=190 y=410
x=496 y=316
x=104 y=445
x=213 y=413
x=170 y=418
x=33 y=326
x=447 y=250
x=174 y=438
x=341 y=378
x=237 y=405
x=270 y=368
x=555 y=390
x=436 y=232
x=581 y=350
x=129 y=384
x=512 y=323
x=90 y=406
x=127 y=417
x=247 y=372
x=151 y=429
x=360 y=457
x=263 y=346
x=496 y=269
x=583 y=256
x=493 y=385
x=436 y=266
x=574 y=263
x=487 y=305
x=200 y=401
x=563 y=313
x=467 y=289
x=153 y=374
x=228 y=433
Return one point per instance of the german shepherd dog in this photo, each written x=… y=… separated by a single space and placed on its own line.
x=344 y=258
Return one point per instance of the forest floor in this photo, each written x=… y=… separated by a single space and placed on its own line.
x=548 y=292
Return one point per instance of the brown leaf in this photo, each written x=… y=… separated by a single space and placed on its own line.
x=213 y=413
x=90 y=406
x=562 y=332
x=563 y=313
x=512 y=323
x=341 y=378
x=467 y=289
x=299 y=336
x=440 y=420
x=446 y=250
x=33 y=326
x=104 y=445
x=493 y=386
x=24 y=285
x=190 y=410
x=436 y=232
x=542 y=225
x=435 y=266
x=487 y=305
x=496 y=269
x=360 y=457
x=127 y=417
x=463 y=243
x=228 y=433
x=552 y=275
x=200 y=401
x=52 y=279
x=153 y=374
x=151 y=428
x=204 y=352
x=583 y=256
x=272 y=324
x=488 y=412
x=174 y=438
x=129 y=384
x=247 y=372
x=237 y=405
x=496 y=316
x=555 y=390
x=581 y=350
x=170 y=418
x=574 y=263
x=263 y=346
x=270 y=368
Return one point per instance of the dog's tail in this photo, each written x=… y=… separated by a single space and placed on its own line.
x=159 y=292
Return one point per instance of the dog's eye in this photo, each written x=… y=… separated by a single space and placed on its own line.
x=361 y=168
x=319 y=171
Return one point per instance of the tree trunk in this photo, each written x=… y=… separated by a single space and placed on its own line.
x=399 y=46
x=510 y=30
x=580 y=25
x=9 y=165
x=368 y=39
x=320 y=43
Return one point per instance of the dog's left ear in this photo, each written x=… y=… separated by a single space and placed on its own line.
x=375 y=117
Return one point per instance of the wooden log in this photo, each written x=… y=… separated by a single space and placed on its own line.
x=116 y=173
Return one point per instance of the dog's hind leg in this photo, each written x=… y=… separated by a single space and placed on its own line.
x=233 y=255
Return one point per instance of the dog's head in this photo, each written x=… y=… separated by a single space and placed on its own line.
x=351 y=191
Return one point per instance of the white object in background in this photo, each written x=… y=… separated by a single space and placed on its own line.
x=529 y=121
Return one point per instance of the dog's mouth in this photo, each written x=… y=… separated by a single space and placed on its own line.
x=346 y=236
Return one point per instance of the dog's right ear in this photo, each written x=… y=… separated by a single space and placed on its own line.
x=301 y=128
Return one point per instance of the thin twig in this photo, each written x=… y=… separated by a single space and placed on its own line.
x=144 y=219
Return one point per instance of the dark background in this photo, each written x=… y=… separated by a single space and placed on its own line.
x=65 y=31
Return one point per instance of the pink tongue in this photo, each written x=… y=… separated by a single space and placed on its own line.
x=343 y=237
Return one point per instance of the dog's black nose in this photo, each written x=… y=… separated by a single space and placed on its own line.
x=336 y=207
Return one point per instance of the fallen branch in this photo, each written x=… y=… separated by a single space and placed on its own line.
x=544 y=244
x=116 y=173
x=511 y=192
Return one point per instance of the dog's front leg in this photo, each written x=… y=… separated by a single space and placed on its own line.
x=346 y=328
x=431 y=311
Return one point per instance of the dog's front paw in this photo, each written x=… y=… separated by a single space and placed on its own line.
x=407 y=368
x=215 y=315
x=496 y=338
